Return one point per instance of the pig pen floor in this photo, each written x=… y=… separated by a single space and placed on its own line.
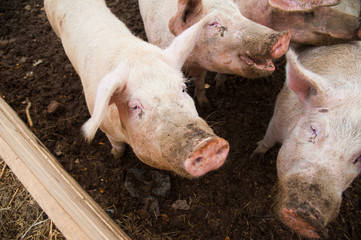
x=235 y=202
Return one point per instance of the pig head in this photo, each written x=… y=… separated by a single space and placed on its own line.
x=135 y=91
x=317 y=120
x=316 y=22
x=230 y=43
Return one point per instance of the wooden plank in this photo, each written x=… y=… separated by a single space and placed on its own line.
x=67 y=204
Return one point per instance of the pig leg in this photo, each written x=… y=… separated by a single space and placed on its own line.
x=220 y=81
x=199 y=77
x=269 y=140
x=118 y=147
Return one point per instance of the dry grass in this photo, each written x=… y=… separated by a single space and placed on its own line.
x=20 y=215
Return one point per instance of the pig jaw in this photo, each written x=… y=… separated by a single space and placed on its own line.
x=307 y=203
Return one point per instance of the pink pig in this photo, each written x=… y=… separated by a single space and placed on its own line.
x=135 y=91
x=317 y=119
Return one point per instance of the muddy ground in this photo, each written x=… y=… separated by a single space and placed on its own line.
x=234 y=202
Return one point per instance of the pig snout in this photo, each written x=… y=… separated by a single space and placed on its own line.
x=281 y=45
x=208 y=155
x=307 y=207
x=260 y=54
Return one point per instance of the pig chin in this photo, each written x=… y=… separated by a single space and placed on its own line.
x=307 y=206
x=245 y=66
x=258 y=68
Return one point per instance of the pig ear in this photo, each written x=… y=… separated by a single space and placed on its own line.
x=301 y=5
x=303 y=82
x=189 y=11
x=179 y=50
x=112 y=82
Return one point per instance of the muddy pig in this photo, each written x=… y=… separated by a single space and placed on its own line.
x=316 y=22
x=135 y=91
x=317 y=119
x=229 y=44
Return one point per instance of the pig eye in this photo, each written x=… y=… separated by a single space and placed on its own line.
x=313 y=134
x=137 y=111
x=215 y=23
x=357 y=160
x=136 y=108
x=184 y=89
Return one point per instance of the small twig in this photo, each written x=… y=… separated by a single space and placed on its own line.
x=27 y=111
x=3 y=171
x=5 y=209
x=12 y=198
x=51 y=230
x=32 y=225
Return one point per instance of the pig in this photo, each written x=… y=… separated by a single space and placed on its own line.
x=314 y=22
x=135 y=91
x=317 y=119
x=229 y=44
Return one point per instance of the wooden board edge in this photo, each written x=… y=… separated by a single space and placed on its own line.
x=72 y=210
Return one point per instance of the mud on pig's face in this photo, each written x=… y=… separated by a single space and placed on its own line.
x=230 y=43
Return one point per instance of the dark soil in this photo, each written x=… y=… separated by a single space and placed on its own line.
x=235 y=202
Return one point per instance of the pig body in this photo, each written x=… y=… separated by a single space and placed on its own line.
x=135 y=91
x=229 y=44
x=317 y=119
x=310 y=22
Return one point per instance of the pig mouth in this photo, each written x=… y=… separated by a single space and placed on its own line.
x=303 y=222
x=264 y=65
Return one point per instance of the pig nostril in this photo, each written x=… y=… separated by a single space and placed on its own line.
x=221 y=150
x=198 y=161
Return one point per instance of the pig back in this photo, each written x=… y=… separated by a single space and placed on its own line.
x=156 y=15
x=340 y=64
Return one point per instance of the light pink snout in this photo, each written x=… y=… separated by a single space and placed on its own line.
x=208 y=155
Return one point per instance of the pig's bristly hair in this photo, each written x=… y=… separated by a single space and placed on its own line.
x=107 y=86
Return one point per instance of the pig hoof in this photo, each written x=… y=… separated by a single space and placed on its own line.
x=202 y=101
x=220 y=82
x=304 y=223
x=117 y=153
x=200 y=96
x=260 y=151
x=257 y=155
